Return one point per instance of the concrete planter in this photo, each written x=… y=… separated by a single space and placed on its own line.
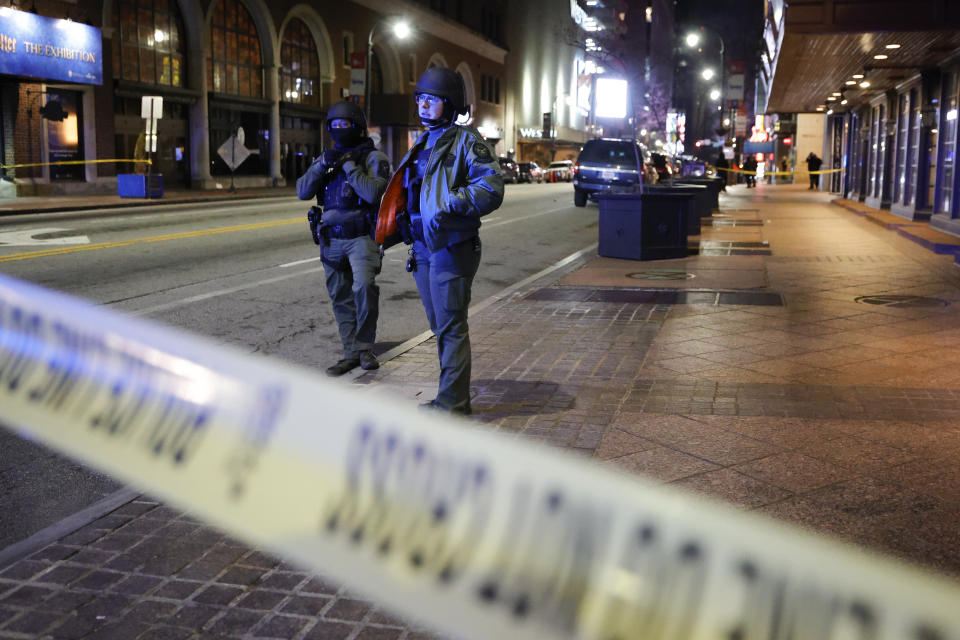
x=640 y=227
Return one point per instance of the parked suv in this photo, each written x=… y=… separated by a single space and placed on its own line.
x=509 y=169
x=607 y=165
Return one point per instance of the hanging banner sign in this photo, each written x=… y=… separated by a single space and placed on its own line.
x=49 y=48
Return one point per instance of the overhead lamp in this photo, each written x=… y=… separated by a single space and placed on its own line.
x=844 y=101
x=831 y=98
x=857 y=76
x=881 y=56
x=707 y=73
x=836 y=93
x=893 y=46
x=401 y=29
x=829 y=112
x=821 y=108
x=864 y=84
x=715 y=94
x=850 y=82
x=692 y=39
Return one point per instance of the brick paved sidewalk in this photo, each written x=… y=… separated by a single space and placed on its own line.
x=760 y=372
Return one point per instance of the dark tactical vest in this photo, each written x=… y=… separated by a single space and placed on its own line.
x=338 y=194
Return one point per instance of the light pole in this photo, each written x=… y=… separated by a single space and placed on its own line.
x=693 y=39
x=401 y=30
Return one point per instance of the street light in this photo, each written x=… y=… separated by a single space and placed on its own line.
x=693 y=39
x=715 y=94
x=707 y=74
x=402 y=31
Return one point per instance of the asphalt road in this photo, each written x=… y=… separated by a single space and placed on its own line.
x=244 y=273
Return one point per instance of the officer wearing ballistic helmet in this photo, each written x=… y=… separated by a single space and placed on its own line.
x=451 y=178
x=348 y=182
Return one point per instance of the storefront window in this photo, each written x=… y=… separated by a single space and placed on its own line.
x=299 y=65
x=903 y=134
x=856 y=157
x=873 y=150
x=913 y=159
x=880 y=150
x=148 y=46
x=234 y=65
x=948 y=137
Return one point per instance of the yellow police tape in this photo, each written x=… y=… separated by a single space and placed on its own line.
x=778 y=173
x=60 y=162
x=478 y=534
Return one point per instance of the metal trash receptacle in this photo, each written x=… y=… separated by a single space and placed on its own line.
x=631 y=231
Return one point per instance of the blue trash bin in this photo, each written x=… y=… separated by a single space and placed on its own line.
x=134 y=185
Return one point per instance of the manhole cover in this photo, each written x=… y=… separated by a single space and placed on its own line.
x=901 y=301
x=661 y=274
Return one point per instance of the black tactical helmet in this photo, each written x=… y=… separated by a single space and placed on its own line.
x=347 y=111
x=445 y=83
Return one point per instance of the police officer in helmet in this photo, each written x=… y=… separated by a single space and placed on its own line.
x=348 y=182
x=451 y=179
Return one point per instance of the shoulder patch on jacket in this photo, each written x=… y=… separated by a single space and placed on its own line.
x=482 y=151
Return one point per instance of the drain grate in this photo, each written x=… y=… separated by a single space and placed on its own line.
x=718 y=248
x=730 y=222
x=902 y=301
x=717 y=244
x=661 y=274
x=657 y=296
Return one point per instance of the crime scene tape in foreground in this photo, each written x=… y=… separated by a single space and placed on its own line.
x=473 y=533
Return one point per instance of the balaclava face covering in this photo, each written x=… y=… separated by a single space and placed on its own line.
x=346 y=138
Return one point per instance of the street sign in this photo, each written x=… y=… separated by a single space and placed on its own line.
x=151 y=110
x=233 y=152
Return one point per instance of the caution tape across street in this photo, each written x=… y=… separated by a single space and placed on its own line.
x=474 y=533
x=778 y=173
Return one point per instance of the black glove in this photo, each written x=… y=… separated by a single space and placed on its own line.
x=330 y=157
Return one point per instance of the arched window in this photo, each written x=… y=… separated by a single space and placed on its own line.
x=234 y=65
x=299 y=65
x=148 y=46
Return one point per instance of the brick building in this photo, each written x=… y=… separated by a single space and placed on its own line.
x=272 y=68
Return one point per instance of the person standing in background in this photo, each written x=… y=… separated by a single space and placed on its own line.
x=813 y=164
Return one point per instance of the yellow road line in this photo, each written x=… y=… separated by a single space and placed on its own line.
x=42 y=253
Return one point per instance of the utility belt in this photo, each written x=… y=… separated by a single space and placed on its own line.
x=347 y=230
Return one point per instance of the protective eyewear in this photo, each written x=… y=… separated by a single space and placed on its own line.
x=427 y=100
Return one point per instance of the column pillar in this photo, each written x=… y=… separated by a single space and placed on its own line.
x=272 y=86
x=198 y=121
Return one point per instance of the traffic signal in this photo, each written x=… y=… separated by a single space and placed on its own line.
x=53 y=110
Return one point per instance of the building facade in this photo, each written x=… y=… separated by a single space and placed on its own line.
x=547 y=97
x=888 y=81
x=271 y=69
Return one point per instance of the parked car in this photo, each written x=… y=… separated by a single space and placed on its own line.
x=530 y=172
x=606 y=164
x=560 y=171
x=511 y=173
